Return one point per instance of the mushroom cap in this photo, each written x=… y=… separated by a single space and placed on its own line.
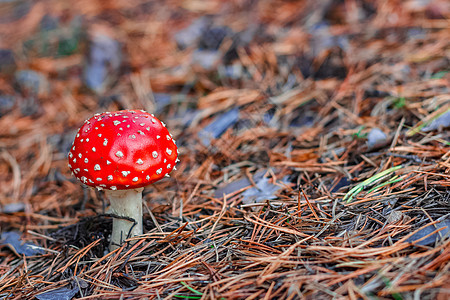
x=120 y=150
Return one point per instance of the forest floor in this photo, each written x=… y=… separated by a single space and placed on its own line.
x=313 y=138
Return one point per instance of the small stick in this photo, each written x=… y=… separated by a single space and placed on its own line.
x=310 y=206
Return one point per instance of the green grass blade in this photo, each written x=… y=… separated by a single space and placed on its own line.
x=191 y=289
x=393 y=180
x=360 y=186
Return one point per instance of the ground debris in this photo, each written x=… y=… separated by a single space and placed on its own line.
x=314 y=150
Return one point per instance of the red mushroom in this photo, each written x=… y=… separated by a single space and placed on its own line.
x=122 y=152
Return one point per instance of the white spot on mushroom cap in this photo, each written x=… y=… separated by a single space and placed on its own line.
x=108 y=162
x=97 y=167
x=139 y=161
x=105 y=142
x=168 y=151
x=116 y=123
x=93 y=149
x=158 y=137
x=159 y=171
x=110 y=177
x=70 y=154
x=147 y=177
x=80 y=155
x=132 y=137
x=113 y=188
x=86 y=160
x=99 y=179
x=119 y=154
x=155 y=154
x=135 y=179
x=125 y=173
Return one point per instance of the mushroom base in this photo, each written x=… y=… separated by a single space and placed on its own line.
x=125 y=203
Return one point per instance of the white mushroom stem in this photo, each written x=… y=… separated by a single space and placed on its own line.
x=125 y=203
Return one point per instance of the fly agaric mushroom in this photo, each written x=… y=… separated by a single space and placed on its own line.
x=122 y=152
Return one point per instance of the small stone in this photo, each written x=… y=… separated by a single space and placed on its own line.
x=376 y=138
